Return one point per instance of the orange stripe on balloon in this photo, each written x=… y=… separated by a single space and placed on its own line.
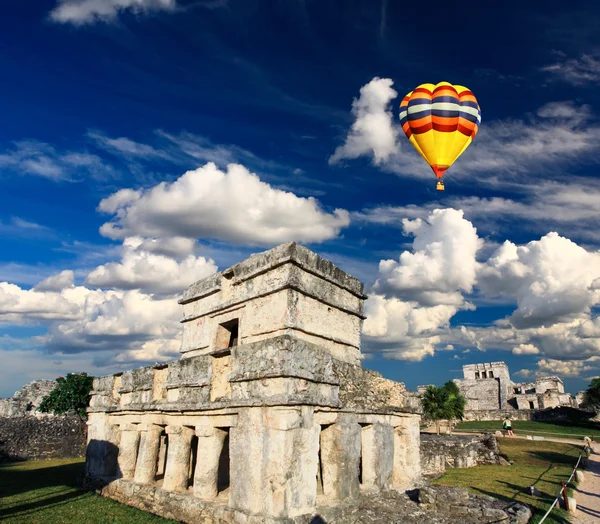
x=444 y=120
x=419 y=122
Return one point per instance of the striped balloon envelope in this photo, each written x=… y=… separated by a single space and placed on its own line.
x=440 y=121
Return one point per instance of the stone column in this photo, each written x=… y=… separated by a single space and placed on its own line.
x=206 y=476
x=407 y=460
x=178 y=458
x=340 y=458
x=377 y=456
x=147 y=460
x=128 y=450
x=274 y=457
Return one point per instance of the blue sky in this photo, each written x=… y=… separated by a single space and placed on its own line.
x=146 y=146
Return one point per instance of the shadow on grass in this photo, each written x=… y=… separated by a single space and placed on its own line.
x=556 y=459
x=32 y=489
x=546 y=500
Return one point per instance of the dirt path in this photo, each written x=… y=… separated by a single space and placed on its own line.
x=588 y=494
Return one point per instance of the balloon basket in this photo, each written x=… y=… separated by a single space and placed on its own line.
x=440 y=186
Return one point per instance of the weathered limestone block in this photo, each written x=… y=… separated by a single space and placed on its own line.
x=136 y=386
x=340 y=458
x=282 y=356
x=274 y=461
x=210 y=445
x=194 y=371
x=377 y=455
x=407 y=460
x=103 y=446
x=128 y=450
x=147 y=460
x=178 y=458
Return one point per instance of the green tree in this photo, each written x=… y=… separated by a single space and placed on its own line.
x=71 y=394
x=591 y=397
x=434 y=405
x=455 y=402
x=445 y=403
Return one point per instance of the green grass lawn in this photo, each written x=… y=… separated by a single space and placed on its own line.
x=547 y=429
x=45 y=491
x=539 y=463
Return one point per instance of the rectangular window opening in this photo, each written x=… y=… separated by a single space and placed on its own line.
x=531 y=406
x=491 y=374
x=477 y=374
x=227 y=334
x=484 y=374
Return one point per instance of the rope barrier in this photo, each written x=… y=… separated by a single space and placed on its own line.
x=563 y=491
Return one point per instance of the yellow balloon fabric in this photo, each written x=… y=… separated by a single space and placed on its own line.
x=440 y=121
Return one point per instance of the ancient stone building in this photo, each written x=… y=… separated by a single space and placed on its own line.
x=488 y=387
x=25 y=401
x=268 y=415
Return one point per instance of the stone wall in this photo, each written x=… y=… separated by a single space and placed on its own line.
x=439 y=452
x=25 y=438
x=25 y=401
x=499 y=414
x=480 y=394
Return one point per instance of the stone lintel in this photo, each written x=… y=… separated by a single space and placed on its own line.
x=282 y=356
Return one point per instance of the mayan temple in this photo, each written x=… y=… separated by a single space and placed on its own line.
x=268 y=416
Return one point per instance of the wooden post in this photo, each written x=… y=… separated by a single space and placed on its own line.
x=565 y=496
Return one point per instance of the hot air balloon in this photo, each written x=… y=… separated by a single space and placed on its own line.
x=440 y=121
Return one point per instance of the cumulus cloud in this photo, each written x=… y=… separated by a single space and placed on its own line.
x=151 y=272
x=550 y=279
x=57 y=282
x=373 y=131
x=441 y=265
x=20 y=306
x=553 y=283
x=525 y=349
x=417 y=296
x=562 y=368
x=80 y=12
x=235 y=206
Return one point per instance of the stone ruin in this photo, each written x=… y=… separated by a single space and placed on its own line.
x=26 y=401
x=268 y=416
x=488 y=388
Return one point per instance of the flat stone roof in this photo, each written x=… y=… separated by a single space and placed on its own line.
x=268 y=260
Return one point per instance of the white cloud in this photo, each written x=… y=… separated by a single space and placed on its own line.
x=150 y=272
x=553 y=283
x=235 y=206
x=373 y=131
x=21 y=306
x=423 y=290
x=79 y=12
x=525 y=349
x=57 y=282
x=576 y=71
x=442 y=264
x=550 y=279
x=562 y=368
x=35 y=158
